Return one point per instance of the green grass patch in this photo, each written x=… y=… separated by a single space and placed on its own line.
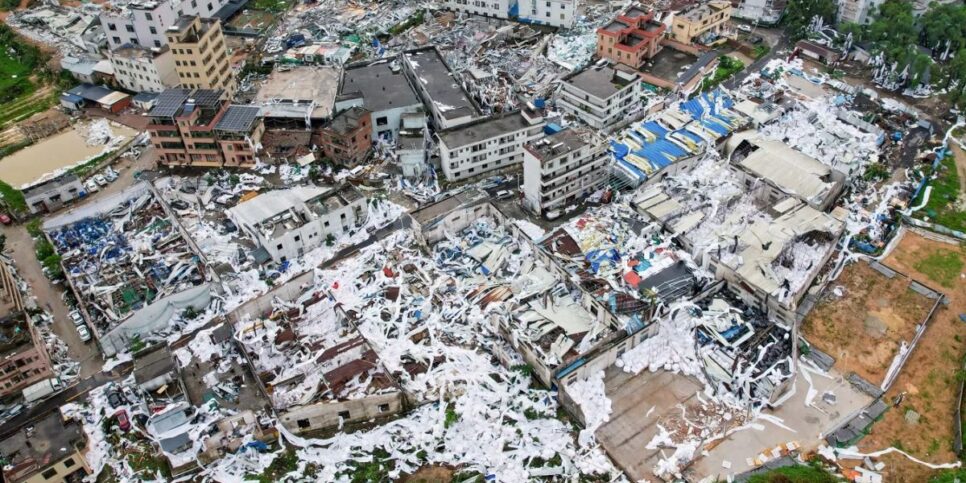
x=13 y=198
x=942 y=266
x=282 y=465
x=727 y=67
x=957 y=475
x=84 y=170
x=941 y=208
x=149 y=464
x=795 y=474
x=760 y=51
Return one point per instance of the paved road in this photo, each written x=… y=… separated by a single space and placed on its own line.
x=56 y=401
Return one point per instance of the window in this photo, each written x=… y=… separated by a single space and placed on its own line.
x=117 y=40
x=344 y=414
x=153 y=30
x=279 y=246
x=326 y=224
x=383 y=408
x=111 y=26
x=382 y=121
x=297 y=237
x=303 y=423
x=49 y=473
x=148 y=16
x=129 y=28
x=69 y=462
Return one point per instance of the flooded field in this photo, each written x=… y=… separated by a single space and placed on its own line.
x=59 y=151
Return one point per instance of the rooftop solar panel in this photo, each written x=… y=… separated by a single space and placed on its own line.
x=206 y=97
x=238 y=119
x=169 y=103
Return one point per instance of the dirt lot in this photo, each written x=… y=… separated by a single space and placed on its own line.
x=929 y=378
x=863 y=328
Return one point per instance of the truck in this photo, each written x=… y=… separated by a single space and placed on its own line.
x=42 y=389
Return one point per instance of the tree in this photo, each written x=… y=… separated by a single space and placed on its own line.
x=894 y=30
x=944 y=23
x=800 y=13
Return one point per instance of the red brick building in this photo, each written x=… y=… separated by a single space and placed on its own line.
x=197 y=128
x=631 y=38
x=347 y=139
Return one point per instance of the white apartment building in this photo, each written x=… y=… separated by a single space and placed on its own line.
x=144 y=70
x=563 y=168
x=291 y=222
x=144 y=23
x=764 y=12
x=486 y=8
x=381 y=88
x=488 y=145
x=557 y=13
x=857 y=11
x=601 y=95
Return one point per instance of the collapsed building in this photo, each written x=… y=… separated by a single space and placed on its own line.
x=130 y=266
x=674 y=139
x=311 y=362
x=768 y=249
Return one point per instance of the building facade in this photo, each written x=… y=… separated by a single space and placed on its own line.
x=702 y=23
x=490 y=145
x=289 y=223
x=51 y=452
x=601 y=95
x=486 y=8
x=562 y=169
x=632 y=38
x=144 y=70
x=197 y=128
x=556 y=13
x=51 y=195
x=763 y=12
x=200 y=56
x=23 y=354
x=857 y=11
x=347 y=139
x=144 y=23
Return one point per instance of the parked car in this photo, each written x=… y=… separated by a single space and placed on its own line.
x=84 y=333
x=77 y=318
x=5 y=219
x=115 y=399
x=91 y=186
x=552 y=215
x=15 y=411
x=744 y=28
x=504 y=194
x=99 y=179
x=110 y=175
x=122 y=420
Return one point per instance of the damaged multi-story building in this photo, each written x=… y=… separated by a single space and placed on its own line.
x=563 y=168
x=22 y=348
x=198 y=128
x=601 y=95
x=289 y=223
x=488 y=146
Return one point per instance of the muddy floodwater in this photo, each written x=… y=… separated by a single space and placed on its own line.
x=61 y=150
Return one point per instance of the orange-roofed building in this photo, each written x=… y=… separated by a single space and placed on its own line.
x=631 y=38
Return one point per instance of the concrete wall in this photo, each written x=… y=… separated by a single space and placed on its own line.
x=261 y=306
x=60 y=469
x=326 y=415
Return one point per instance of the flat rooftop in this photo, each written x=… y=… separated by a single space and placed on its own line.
x=604 y=81
x=559 y=144
x=380 y=85
x=669 y=64
x=303 y=85
x=483 y=129
x=445 y=91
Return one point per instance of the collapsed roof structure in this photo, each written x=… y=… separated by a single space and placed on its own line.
x=129 y=264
